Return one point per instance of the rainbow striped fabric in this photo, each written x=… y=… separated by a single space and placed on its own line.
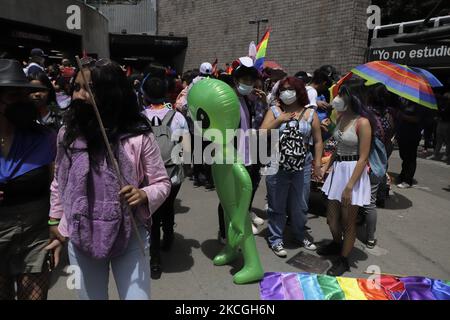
x=399 y=80
x=261 y=51
x=308 y=286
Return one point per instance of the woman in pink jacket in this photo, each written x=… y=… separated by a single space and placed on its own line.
x=90 y=207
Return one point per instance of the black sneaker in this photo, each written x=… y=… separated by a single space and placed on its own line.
x=209 y=186
x=331 y=249
x=155 y=271
x=340 y=266
x=155 y=267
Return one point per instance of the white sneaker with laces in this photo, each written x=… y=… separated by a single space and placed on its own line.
x=404 y=185
x=279 y=250
x=308 y=245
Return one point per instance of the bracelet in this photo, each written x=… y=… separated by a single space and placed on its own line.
x=53 y=222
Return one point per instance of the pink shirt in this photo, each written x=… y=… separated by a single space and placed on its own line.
x=144 y=153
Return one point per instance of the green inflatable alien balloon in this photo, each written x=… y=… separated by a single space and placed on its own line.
x=216 y=105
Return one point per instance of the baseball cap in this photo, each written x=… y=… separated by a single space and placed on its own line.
x=36 y=52
x=206 y=68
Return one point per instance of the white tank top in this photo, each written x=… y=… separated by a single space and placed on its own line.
x=348 y=143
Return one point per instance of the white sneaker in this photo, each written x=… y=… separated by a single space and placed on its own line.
x=257 y=220
x=255 y=229
x=308 y=245
x=404 y=185
x=279 y=250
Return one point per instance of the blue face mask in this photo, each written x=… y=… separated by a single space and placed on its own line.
x=244 y=89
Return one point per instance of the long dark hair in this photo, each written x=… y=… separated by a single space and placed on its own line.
x=380 y=99
x=355 y=91
x=44 y=80
x=118 y=107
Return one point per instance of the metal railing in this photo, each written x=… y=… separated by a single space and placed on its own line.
x=111 y=2
x=436 y=22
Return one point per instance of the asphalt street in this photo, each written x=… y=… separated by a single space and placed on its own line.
x=413 y=239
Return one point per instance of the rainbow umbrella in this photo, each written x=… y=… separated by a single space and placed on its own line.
x=427 y=75
x=399 y=80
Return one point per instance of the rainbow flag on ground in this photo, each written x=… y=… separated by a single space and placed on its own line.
x=261 y=50
x=308 y=286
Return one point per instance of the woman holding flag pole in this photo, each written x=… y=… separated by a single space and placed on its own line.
x=109 y=179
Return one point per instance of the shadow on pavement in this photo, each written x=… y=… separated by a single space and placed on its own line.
x=446 y=189
x=179 y=208
x=179 y=258
x=397 y=202
x=211 y=248
x=355 y=256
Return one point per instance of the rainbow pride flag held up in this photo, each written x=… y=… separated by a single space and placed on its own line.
x=261 y=51
x=308 y=286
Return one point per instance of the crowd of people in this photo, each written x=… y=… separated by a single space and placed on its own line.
x=58 y=183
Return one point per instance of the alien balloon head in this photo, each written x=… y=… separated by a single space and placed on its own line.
x=215 y=104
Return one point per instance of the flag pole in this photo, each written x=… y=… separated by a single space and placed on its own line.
x=110 y=153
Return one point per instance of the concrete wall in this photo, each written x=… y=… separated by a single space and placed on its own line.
x=305 y=33
x=52 y=14
x=139 y=18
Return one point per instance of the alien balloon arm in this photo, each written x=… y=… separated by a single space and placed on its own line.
x=243 y=189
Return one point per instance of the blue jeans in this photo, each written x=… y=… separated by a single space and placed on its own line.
x=307 y=170
x=131 y=272
x=285 y=191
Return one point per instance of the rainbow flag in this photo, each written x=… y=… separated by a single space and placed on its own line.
x=308 y=286
x=261 y=50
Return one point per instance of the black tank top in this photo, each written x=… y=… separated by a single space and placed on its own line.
x=31 y=186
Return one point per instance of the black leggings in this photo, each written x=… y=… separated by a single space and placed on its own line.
x=408 y=153
x=165 y=216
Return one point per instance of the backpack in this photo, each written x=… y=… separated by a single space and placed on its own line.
x=163 y=135
x=99 y=227
x=378 y=156
x=293 y=147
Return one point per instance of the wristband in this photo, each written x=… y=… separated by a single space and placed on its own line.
x=53 y=222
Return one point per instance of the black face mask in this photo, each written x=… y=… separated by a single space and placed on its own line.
x=83 y=111
x=22 y=114
x=86 y=119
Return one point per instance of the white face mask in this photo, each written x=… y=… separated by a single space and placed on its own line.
x=339 y=104
x=288 y=97
x=244 y=89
